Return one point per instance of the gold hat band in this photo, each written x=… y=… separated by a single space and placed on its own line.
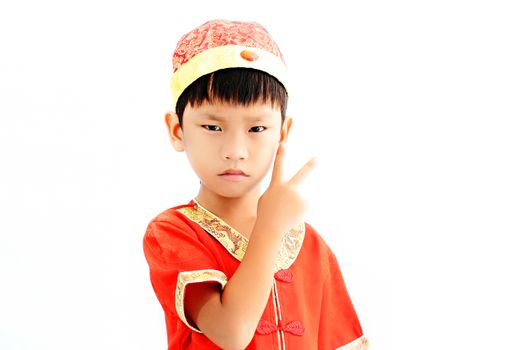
x=222 y=57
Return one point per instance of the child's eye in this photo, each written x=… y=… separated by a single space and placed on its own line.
x=257 y=129
x=212 y=127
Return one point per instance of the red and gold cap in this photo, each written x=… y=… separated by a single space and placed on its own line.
x=220 y=44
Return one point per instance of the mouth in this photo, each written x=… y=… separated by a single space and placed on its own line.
x=235 y=175
x=234 y=172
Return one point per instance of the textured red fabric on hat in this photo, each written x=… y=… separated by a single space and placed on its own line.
x=220 y=33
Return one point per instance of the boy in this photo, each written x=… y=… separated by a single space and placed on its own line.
x=233 y=269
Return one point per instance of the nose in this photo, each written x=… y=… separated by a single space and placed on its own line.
x=235 y=147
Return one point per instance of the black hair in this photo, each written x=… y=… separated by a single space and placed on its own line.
x=243 y=86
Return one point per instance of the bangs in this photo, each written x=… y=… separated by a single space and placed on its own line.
x=237 y=86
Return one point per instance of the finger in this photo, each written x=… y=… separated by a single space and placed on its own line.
x=301 y=174
x=277 y=166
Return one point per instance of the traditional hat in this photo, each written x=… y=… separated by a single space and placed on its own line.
x=220 y=44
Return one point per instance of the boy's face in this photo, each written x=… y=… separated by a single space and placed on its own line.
x=222 y=137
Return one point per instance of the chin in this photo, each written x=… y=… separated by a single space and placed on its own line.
x=232 y=194
x=234 y=191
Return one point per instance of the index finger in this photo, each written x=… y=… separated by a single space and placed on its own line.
x=277 y=166
x=303 y=172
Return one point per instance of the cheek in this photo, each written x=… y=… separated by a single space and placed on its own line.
x=196 y=145
x=198 y=157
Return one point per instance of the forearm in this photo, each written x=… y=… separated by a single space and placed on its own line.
x=233 y=321
x=248 y=290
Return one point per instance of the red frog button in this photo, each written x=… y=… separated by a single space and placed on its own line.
x=284 y=276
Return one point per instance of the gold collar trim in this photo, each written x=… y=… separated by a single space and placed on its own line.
x=236 y=244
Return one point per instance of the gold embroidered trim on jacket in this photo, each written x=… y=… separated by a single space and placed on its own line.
x=360 y=343
x=233 y=242
x=290 y=247
x=236 y=244
x=197 y=276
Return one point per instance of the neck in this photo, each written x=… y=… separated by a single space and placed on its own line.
x=229 y=207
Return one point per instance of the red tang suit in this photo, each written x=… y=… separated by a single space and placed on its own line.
x=309 y=306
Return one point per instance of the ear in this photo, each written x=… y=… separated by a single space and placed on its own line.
x=175 y=131
x=285 y=131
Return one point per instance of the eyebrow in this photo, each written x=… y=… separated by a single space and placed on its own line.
x=221 y=119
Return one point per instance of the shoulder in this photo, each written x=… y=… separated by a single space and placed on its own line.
x=315 y=251
x=172 y=214
x=169 y=220
x=169 y=230
x=313 y=239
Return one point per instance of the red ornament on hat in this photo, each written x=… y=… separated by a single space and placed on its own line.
x=249 y=55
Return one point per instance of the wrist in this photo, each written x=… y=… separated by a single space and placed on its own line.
x=268 y=228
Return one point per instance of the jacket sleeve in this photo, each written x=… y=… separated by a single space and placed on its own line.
x=339 y=327
x=176 y=258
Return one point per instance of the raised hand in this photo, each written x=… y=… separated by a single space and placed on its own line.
x=281 y=207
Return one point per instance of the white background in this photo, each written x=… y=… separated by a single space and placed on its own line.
x=416 y=109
